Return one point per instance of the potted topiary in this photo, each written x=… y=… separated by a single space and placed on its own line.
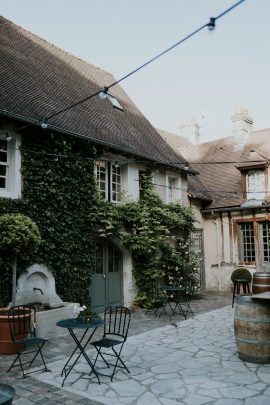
x=18 y=234
x=241 y=273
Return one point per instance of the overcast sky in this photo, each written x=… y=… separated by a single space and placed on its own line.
x=205 y=78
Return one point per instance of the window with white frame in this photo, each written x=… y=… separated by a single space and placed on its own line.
x=255 y=185
x=102 y=179
x=109 y=180
x=4 y=164
x=171 y=187
x=10 y=164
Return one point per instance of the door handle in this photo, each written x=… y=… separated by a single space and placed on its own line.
x=104 y=275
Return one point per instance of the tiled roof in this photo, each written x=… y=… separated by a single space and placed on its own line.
x=223 y=180
x=219 y=163
x=182 y=145
x=39 y=79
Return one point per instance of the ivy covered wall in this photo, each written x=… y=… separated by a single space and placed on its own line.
x=58 y=191
x=59 y=194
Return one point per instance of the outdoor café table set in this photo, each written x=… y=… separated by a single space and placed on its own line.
x=22 y=323
x=88 y=328
x=175 y=301
x=115 y=330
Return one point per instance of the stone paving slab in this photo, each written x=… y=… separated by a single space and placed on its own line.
x=192 y=362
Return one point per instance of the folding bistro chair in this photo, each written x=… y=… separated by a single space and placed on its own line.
x=157 y=297
x=22 y=321
x=116 y=325
x=186 y=298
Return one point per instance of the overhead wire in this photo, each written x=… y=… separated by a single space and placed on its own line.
x=210 y=24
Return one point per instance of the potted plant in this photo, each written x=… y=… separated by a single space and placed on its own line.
x=18 y=234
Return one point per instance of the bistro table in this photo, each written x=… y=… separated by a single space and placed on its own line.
x=89 y=329
x=173 y=298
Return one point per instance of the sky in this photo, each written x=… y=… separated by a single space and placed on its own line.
x=206 y=78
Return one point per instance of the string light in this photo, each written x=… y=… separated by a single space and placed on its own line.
x=103 y=92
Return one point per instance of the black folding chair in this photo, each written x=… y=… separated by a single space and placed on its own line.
x=116 y=325
x=156 y=298
x=186 y=298
x=22 y=323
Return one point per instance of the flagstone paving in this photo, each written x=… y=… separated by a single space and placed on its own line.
x=190 y=362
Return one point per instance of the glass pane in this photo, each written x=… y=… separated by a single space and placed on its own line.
x=99 y=266
x=3 y=156
x=110 y=264
x=116 y=264
x=3 y=170
x=2 y=182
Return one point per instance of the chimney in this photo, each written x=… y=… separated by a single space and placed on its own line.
x=242 y=126
x=190 y=129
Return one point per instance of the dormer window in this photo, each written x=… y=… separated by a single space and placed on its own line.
x=254 y=180
x=255 y=185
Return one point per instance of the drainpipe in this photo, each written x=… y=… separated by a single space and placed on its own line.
x=216 y=222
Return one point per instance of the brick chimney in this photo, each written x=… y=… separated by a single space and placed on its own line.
x=242 y=126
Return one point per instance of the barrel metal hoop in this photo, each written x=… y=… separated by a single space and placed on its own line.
x=253 y=341
x=253 y=320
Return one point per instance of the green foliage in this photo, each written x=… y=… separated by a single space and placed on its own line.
x=60 y=196
x=58 y=192
x=241 y=273
x=18 y=233
x=151 y=227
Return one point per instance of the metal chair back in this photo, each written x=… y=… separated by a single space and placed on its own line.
x=22 y=322
x=116 y=321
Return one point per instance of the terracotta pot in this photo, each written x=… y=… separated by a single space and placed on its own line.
x=6 y=344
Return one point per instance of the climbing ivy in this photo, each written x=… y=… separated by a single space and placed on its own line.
x=58 y=189
x=60 y=196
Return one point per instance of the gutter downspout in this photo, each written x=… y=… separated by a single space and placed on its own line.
x=216 y=222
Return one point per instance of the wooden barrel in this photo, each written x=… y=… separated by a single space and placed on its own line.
x=252 y=329
x=260 y=283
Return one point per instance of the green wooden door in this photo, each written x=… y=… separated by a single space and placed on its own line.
x=106 y=279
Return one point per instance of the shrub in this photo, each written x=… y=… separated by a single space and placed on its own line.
x=241 y=273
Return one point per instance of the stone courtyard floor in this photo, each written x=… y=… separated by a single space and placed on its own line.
x=191 y=361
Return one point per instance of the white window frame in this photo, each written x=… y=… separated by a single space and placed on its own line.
x=115 y=183
x=4 y=149
x=171 y=193
x=113 y=188
x=173 y=188
x=255 y=184
x=13 y=185
x=100 y=164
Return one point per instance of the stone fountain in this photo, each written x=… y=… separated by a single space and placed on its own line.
x=37 y=286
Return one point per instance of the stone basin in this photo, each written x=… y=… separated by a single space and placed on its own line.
x=46 y=320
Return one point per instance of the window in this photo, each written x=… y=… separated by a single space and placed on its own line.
x=10 y=165
x=115 y=182
x=109 y=180
x=247 y=242
x=255 y=185
x=254 y=242
x=3 y=164
x=102 y=179
x=171 y=187
x=265 y=241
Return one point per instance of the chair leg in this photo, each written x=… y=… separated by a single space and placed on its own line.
x=234 y=289
x=118 y=358
x=21 y=364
